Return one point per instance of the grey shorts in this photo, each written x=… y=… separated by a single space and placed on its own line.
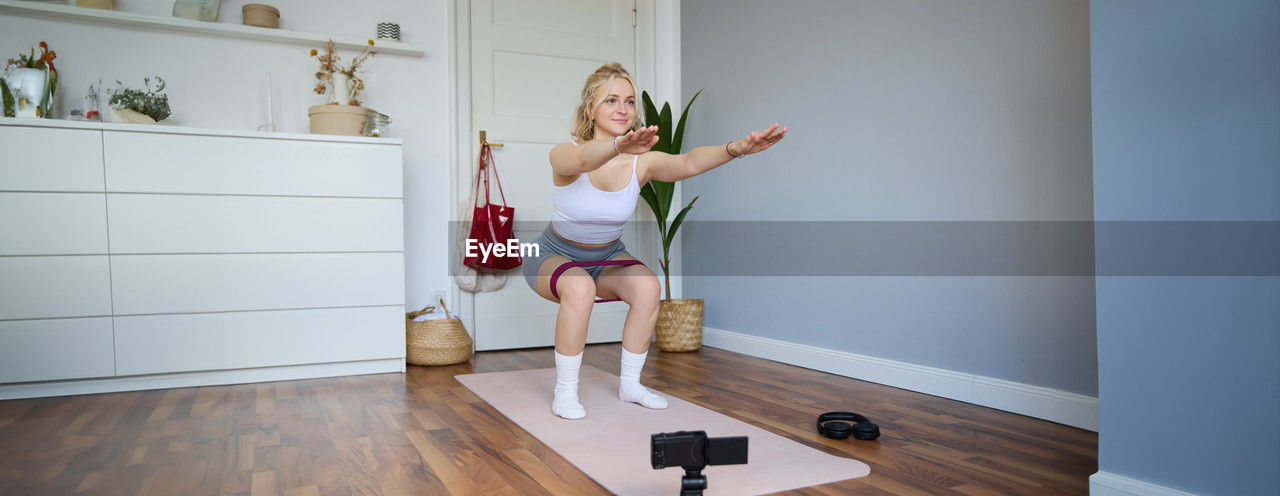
x=550 y=244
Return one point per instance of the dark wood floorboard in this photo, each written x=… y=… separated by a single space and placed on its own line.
x=424 y=433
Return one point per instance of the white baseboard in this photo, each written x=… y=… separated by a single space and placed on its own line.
x=1109 y=484
x=193 y=379
x=1062 y=407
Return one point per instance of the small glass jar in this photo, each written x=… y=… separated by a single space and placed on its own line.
x=200 y=10
x=376 y=124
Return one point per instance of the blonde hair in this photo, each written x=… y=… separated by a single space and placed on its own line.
x=583 y=124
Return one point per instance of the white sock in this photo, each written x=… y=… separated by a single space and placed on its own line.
x=565 y=404
x=630 y=389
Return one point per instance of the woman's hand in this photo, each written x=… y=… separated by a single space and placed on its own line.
x=758 y=141
x=638 y=141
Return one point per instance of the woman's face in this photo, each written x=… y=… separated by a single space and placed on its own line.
x=614 y=115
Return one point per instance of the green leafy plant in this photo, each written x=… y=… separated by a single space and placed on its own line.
x=659 y=194
x=9 y=110
x=151 y=102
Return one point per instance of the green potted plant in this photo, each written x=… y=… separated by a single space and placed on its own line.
x=679 y=325
x=29 y=84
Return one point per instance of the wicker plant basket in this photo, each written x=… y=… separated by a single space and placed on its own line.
x=680 y=324
x=436 y=342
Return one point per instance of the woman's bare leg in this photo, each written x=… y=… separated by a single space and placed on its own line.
x=577 y=296
x=638 y=286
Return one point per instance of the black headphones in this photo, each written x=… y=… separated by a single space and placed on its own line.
x=861 y=429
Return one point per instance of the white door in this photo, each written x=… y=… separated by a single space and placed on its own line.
x=529 y=61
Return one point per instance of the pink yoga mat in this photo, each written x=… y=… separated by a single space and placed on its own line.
x=612 y=445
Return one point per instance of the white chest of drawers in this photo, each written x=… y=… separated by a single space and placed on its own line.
x=135 y=257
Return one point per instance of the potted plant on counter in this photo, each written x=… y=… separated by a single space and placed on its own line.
x=679 y=325
x=29 y=84
x=343 y=114
x=137 y=106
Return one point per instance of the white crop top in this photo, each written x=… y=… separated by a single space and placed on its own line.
x=586 y=214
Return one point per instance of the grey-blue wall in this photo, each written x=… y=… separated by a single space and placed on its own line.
x=925 y=110
x=1186 y=127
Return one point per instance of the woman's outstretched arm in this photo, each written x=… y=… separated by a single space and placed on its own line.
x=569 y=160
x=670 y=168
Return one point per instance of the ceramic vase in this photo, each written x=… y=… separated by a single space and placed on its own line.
x=29 y=88
x=340 y=85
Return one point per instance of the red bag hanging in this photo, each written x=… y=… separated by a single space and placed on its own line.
x=487 y=245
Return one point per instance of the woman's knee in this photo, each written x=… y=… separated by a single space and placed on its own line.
x=645 y=291
x=577 y=291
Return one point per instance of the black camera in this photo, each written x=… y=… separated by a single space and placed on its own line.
x=693 y=451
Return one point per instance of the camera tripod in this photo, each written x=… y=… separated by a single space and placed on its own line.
x=693 y=482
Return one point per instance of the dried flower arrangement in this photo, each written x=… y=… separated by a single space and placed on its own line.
x=331 y=63
x=151 y=103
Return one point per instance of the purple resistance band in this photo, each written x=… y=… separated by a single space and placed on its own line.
x=568 y=265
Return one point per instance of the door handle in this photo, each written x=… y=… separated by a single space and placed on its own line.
x=484 y=141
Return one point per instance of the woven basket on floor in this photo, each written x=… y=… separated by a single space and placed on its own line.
x=680 y=324
x=436 y=342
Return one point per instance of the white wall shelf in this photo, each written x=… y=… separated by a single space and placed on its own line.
x=43 y=10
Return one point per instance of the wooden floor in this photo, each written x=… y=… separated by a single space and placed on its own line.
x=423 y=433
